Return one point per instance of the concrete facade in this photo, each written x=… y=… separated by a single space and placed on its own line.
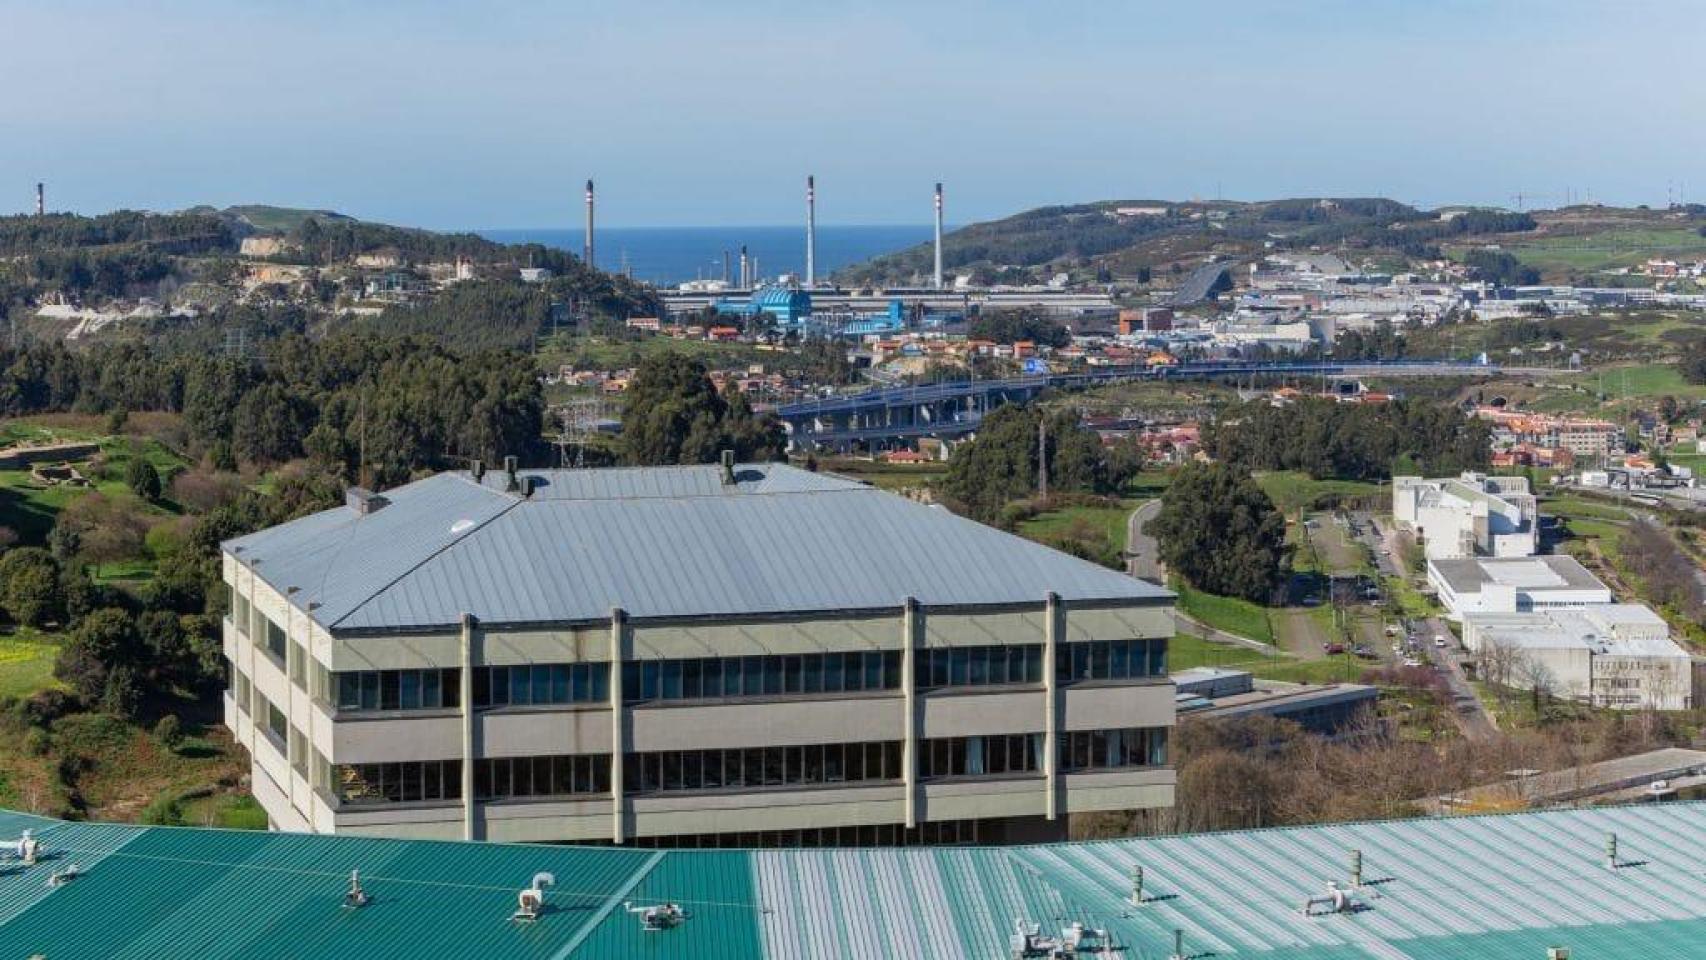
x=1474 y=515
x=1617 y=655
x=1513 y=584
x=423 y=761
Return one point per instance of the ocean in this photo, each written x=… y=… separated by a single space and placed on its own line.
x=667 y=256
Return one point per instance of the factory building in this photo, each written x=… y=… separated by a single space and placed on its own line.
x=1617 y=655
x=1474 y=515
x=686 y=656
x=788 y=308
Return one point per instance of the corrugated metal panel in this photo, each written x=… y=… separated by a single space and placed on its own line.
x=1484 y=888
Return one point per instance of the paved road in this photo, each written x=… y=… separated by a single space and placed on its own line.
x=1142 y=554
x=1472 y=716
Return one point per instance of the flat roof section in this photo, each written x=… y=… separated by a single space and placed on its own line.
x=1528 y=574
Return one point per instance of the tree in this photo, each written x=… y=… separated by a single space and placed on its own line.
x=142 y=478
x=102 y=642
x=1693 y=364
x=1000 y=465
x=108 y=529
x=29 y=586
x=1219 y=530
x=673 y=414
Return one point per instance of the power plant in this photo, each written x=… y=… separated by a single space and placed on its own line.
x=586 y=251
x=936 y=281
x=811 y=231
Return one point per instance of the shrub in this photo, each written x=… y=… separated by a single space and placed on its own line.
x=36 y=742
x=163 y=811
x=29 y=586
x=169 y=732
x=142 y=479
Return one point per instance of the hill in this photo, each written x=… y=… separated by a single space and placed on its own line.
x=1115 y=239
x=262 y=218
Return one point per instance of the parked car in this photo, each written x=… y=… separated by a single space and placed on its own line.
x=1333 y=649
x=1439 y=641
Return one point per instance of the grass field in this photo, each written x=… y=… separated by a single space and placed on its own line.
x=1185 y=651
x=30 y=508
x=1230 y=614
x=26 y=663
x=1292 y=491
x=1109 y=521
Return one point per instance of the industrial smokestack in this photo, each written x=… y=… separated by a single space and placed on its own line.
x=725 y=268
x=41 y=198
x=586 y=250
x=745 y=276
x=938 y=275
x=811 y=232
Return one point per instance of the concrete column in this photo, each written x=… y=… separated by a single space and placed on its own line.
x=618 y=720
x=470 y=827
x=1054 y=627
x=912 y=637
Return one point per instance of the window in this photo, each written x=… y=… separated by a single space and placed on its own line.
x=714 y=677
x=980 y=756
x=980 y=666
x=413 y=781
x=674 y=770
x=1111 y=659
x=565 y=775
x=240 y=613
x=544 y=684
x=275 y=639
x=276 y=724
x=430 y=689
x=1107 y=749
x=298 y=665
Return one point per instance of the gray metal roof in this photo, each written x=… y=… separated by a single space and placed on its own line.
x=656 y=542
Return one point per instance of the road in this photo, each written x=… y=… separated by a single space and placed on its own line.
x=1472 y=716
x=1142 y=554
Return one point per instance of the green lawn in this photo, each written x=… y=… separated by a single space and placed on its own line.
x=1185 y=651
x=232 y=811
x=1230 y=614
x=1582 y=508
x=1293 y=491
x=1109 y=521
x=26 y=663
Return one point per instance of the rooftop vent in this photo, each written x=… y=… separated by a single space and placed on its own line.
x=527 y=485
x=510 y=483
x=477 y=470
x=364 y=501
x=530 y=903
x=728 y=467
x=660 y=916
x=356 y=898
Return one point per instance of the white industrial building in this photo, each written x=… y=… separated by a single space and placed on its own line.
x=1617 y=655
x=1468 y=585
x=1474 y=515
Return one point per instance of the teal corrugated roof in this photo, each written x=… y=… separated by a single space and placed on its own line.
x=1471 y=888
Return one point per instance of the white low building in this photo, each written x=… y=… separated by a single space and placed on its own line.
x=1617 y=655
x=1468 y=516
x=1513 y=584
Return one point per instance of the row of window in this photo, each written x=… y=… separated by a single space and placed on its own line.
x=680 y=770
x=1103 y=749
x=542 y=684
x=399 y=689
x=980 y=666
x=1111 y=659
x=671 y=770
x=721 y=677
x=407 y=782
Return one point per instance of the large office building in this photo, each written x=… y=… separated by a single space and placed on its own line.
x=1617 y=655
x=1473 y=515
x=699 y=655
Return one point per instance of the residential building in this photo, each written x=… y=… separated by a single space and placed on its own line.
x=1513 y=584
x=1617 y=655
x=1467 y=516
x=678 y=654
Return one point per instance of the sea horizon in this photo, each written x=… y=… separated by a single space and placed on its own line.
x=668 y=256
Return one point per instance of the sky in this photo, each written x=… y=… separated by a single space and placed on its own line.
x=490 y=114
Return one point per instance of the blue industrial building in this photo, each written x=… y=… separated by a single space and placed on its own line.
x=788 y=307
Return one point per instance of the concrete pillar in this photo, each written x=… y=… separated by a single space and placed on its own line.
x=618 y=720
x=912 y=638
x=1054 y=628
x=470 y=818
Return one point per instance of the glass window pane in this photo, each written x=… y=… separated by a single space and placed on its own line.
x=409 y=690
x=812 y=770
x=432 y=689
x=774 y=764
x=873 y=670
x=834 y=680
x=692 y=678
x=732 y=775
x=692 y=770
x=793 y=674
x=772 y=675
x=853 y=671
x=599 y=673
x=713 y=679
x=649 y=680
x=752 y=676
x=1099 y=660
x=349 y=691
x=671 y=680
x=978 y=673
x=389 y=693
x=520 y=685
x=891 y=669
x=833 y=770
x=580 y=682
x=500 y=686
x=959 y=663
x=1158 y=657
x=630 y=682
x=938 y=667
x=1033 y=663
x=672 y=770
x=559 y=683
x=811 y=673
x=713 y=768
x=1118 y=667
x=1080 y=662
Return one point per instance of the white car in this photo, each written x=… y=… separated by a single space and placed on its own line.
x=1412 y=662
x=1439 y=641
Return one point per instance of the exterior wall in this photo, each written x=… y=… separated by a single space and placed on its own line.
x=1651 y=683
x=299 y=793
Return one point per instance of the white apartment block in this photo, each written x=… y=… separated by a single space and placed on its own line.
x=1468 y=516
x=749 y=654
x=1617 y=655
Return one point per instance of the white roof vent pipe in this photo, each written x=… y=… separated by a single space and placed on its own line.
x=530 y=903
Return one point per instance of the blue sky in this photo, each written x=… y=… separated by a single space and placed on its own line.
x=490 y=114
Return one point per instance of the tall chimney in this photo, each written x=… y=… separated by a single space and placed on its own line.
x=586 y=249
x=811 y=232
x=938 y=275
x=41 y=198
x=725 y=267
x=744 y=278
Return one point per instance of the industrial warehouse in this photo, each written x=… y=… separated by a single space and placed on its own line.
x=707 y=655
x=1601 y=883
